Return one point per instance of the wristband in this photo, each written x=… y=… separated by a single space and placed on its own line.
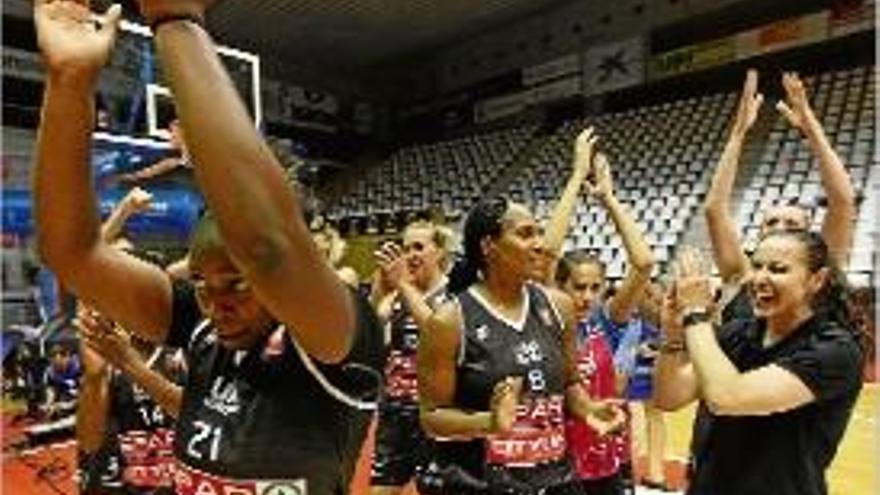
x=696 y=316
x=673 y=346
x=165 y=19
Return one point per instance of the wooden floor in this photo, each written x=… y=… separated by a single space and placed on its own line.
x=854 y=471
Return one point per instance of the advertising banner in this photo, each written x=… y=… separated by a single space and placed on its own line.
x=782 y=35
x=851 y=17
x=557 y=90
x=501 y=106
x=554 y=69
x=173 y=213
x=614 y=66
x=694 y=57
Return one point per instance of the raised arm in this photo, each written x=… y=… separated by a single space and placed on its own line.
x=75 y=45
x=259 y=216
x=837 y=228
x=651 y=303
x=163 y=166
x=723 y=231
x=675 y=382
x=135 y=201
x=640 y=259
x=560 y=219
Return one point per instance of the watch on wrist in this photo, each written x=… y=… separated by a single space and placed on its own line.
x=673 y=346
x=695 y=316
x=169 y=18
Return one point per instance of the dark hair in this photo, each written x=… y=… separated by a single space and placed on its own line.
x=484 y=220
x=572 y=260
x=151 y=256
x=862 y=306
x=205 y=237
x=832 y=300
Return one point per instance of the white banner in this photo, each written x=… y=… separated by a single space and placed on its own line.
x=501 y=106
x=614 y=66
x=557 y=90
x=554 y=69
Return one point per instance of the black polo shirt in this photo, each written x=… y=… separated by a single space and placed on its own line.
x=739 y=307
x=784 y=453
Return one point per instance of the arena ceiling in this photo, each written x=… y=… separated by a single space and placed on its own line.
x=354 y=34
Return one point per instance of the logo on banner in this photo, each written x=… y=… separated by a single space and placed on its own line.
x=537 y=436
x=283 y=488
x=190 y=481
x=614 y=66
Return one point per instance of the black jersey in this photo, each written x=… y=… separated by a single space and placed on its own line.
x=533 y=455
x=270 y=418
x=401 y=446
x=137 y=454
x=401 y=382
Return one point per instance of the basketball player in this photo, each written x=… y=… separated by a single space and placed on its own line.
x=608 y=335
x=125 y=437
x=561 y=217
x=837 y=227
x=497 y=366
x=416 y=273
x=282 y=362
x=780 y=386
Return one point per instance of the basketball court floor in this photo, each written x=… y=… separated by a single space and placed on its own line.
x=51 y=470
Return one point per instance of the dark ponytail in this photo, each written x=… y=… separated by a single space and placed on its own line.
x=484 y=220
